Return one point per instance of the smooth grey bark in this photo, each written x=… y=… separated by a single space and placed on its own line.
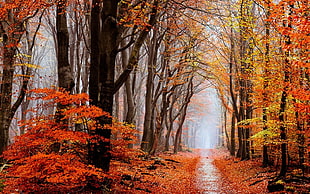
x=65 y=77
x=129 y=89
x=148 y=131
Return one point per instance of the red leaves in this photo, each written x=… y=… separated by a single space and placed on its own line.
x=50 y=172
x=60 y=96
x=22 y=9
x=53 y=155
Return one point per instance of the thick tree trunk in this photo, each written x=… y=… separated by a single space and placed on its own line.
x=65 y=77
x=148 y=132
x=283 y=129
x=284 y=97
x=236 y=114
x=129 y=89
x=104 y=47
x=266 y=84
x=6 y=95
x=246 y=52
x=102 y=70
x=10 y=38
x=241 y=135
x=169 y=129
x=130 y=110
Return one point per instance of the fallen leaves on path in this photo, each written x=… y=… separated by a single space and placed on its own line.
x=246 y=177
x=165 y=173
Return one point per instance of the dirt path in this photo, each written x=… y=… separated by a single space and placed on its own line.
x=210 y=180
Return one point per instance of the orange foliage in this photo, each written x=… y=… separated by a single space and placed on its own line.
x=21 y=9
x=53 y=156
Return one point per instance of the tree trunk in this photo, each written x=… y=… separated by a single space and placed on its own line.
x=169 y=127
x=266 y=84
x=102 y=70
x=65 y=77
x=284 y=97
x=232 y=135
x=246 y=52
x=129 y=88
x=10 y=38
x=6 y=94
x=183 y=109
x=148 y=132
x=130 y=110
x=283 y=128
x=178 y=134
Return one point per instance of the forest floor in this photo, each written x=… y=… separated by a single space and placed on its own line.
x=199 y=171
x=244 y=177
x=163 y=173
x=249 y=177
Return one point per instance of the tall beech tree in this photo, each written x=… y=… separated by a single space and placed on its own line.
x=244 y=82
x=13 y=15
x=105 y=44
x=65 y=78
x=266 y=82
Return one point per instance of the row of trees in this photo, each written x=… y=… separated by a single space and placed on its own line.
x=265 y=84
x=125 y=54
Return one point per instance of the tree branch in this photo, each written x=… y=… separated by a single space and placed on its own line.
x=133 y=60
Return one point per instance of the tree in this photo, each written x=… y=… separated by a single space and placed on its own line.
x=105 y=43
x=65 y=78
x=12 y=19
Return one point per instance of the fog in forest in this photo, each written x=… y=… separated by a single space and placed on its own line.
x=207 y=125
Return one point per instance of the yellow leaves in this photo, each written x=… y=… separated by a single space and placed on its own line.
x=136 y=14
x=22 y=55
x=28 y=65
x=22 y=75
x=249 y=121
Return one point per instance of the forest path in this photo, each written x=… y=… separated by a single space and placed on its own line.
x=209 y=177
